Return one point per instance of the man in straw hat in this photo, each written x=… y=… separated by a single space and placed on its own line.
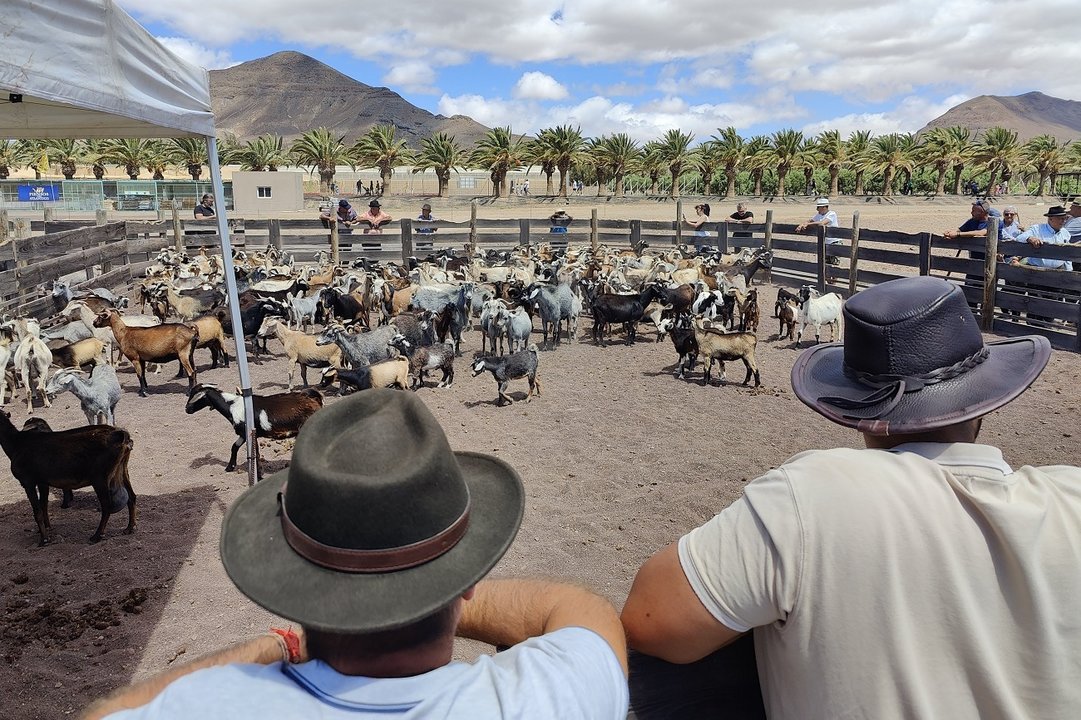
x=376 y=541
x=920 y=577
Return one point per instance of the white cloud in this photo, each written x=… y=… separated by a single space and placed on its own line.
x=911 y=114
x=198 y=54
x=538 y=86
x=413 y=76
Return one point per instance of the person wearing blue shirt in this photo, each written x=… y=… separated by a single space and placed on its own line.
x=1052 y=232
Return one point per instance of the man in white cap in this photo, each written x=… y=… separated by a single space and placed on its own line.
x=376 y=541
x=827 y=218
x=921 y=577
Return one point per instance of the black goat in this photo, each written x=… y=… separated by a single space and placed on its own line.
x=277 y=416
x=342 y=306
x=251 y=319
x=783 y=296
x=450 y=322
x=610 y=308
x=684 y=341
x=94 y=455
x=522 y=364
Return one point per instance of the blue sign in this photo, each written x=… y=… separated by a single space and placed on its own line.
x=39 y=193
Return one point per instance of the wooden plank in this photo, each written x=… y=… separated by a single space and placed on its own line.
x=1056 y=252
x=47 y=270
x=147 y=245
x=497 y=224
x=30 y=249
x=143 y=227
x=893 y=257
x=800 y=246
x=58 y=226
x=854 y=255
x=891 y=236
x=957 y=265
x=1011 y=299
x=1013 y=326
x=112 y=279
x=1061 y=279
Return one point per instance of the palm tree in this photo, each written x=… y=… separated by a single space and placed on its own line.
x=999 y=152
x=674 y=152
x=563 y=146
x=539 y=152
x=13 y=154
x=785 y=153
x=130 y=153
x=856 y=147
x=832 y=152
x=66 y=153
x=651 y=164
x=322 y=152
x=887 y=154
x=379 y=148
x=757 y=159
x=441 y=153
x=266 y=152
x=707 y=160
x=229 y=149
x=593 y=165
x=189 y=153
x=1046 y=156
x=158 y=159
x=910 y=146
x=499 y=152
x=94 y=153
x=946 y=148
x=808 y=162
x=620 y=153
x=731 y=152
x=37 y=156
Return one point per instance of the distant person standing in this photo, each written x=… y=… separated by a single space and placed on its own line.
x=375 y=218
x=205 y=209
x=525 y=186
x=425 y=217
x=559 y=220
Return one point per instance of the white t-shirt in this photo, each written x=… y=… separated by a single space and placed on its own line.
x=571 y=673
x=930 y=581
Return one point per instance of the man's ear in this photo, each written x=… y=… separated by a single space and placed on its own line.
x=468 y=594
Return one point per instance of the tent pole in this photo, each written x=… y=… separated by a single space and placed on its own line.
x=234 y=307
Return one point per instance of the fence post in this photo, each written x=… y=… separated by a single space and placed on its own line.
x=593 y=230
x=722 y=237
x=333 y=239
x=161 y=214
x=523 y=232
x=854 y=254
x=3 y=226
x=990 y=275
x=767 y=240
x=48 y=215
x=274 y=231
x=407 y=240
x=925 y=253
x=636 y=233
x=472 y=228
x=821 y=258
x=178 y=230
x=679 y=223
x=105 y=266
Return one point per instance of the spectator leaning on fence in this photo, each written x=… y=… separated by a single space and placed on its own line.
x=425 y=217
x=1052 y=232
x=827 y=218
x=920 y=577
x=205 y=209
x=376 y=540
x=375 y=218
x=1073 y=225
x=1011 y=224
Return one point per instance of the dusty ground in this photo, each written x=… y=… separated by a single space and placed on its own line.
x=618 y=458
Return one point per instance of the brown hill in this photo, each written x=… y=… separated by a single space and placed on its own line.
x=1030 y=115
x=289 y=93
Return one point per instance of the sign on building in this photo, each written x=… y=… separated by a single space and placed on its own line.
x=39 y=193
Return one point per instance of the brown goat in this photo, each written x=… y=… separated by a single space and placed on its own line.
x=88 y=351
x=212 y=336
x=721 y=347
x=161 y=343
x=94 y=455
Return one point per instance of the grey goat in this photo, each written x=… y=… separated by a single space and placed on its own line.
x=554 y=304
x=98 y=396
x=522 y=364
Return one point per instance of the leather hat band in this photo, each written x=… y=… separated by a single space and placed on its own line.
x=370 y=561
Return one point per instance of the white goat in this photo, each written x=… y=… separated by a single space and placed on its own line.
x=32 y=357
x=98 y=396
x=818 y=311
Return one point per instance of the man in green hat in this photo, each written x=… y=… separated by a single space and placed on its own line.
x=376 y=541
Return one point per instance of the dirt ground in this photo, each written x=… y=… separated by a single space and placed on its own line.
x=618 y=458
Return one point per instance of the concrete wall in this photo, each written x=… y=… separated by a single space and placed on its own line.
x=286 y=192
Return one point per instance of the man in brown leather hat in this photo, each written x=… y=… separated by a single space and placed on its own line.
x=376 y=541
x=920 y=577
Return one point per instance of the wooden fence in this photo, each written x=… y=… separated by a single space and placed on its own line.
x=1014 y=299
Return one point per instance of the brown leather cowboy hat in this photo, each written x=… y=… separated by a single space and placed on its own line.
x=376 y=523
x=913 y=359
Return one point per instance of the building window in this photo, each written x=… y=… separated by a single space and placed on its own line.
x=264 y=192
x=466 y=182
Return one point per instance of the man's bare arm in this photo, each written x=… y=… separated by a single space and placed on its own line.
x=507 y=612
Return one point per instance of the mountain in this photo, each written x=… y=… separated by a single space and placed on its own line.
x=1030 y=115
x=289 y=93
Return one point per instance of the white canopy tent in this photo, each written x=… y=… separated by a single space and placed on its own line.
x=86 y=69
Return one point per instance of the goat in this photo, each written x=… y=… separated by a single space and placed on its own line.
x=302 y=309
x=492 y=324
x=818 y=311
x=684 y=341
x=555 y=305
x=748 y=311
x=423 y=359
x=449 y=322
x=212 y=336
x=521 y=364
x=518 y=326
x=98 y=298
x=360 y=348
x=342 y=306
x=787 y=315
x=168 y=341
x=277 y=416
x=7 y=337
x=611 y=308
x=388 y=373
x=88 y=351
x=783 y=296
x=188 y=307
x=98 y=396
x=33 y=357
x=95 y=455
x=251 y=319
x=721 y=347
x=303 y=350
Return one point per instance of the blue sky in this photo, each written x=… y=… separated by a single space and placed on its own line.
x=645 y=66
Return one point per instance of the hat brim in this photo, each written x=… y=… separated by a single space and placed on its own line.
x=1010 y=368
x=265 y=568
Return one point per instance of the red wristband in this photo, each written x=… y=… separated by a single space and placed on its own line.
x=292 y=642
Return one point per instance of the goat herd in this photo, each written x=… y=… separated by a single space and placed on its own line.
x=382 y=326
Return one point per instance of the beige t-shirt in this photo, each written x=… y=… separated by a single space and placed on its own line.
x=930 y=581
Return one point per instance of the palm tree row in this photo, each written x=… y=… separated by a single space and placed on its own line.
x=889 y=162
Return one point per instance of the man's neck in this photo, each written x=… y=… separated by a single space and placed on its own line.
x=965 y=432
x=401 y=663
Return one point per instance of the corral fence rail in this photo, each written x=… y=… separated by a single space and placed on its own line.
x=1008 y=298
